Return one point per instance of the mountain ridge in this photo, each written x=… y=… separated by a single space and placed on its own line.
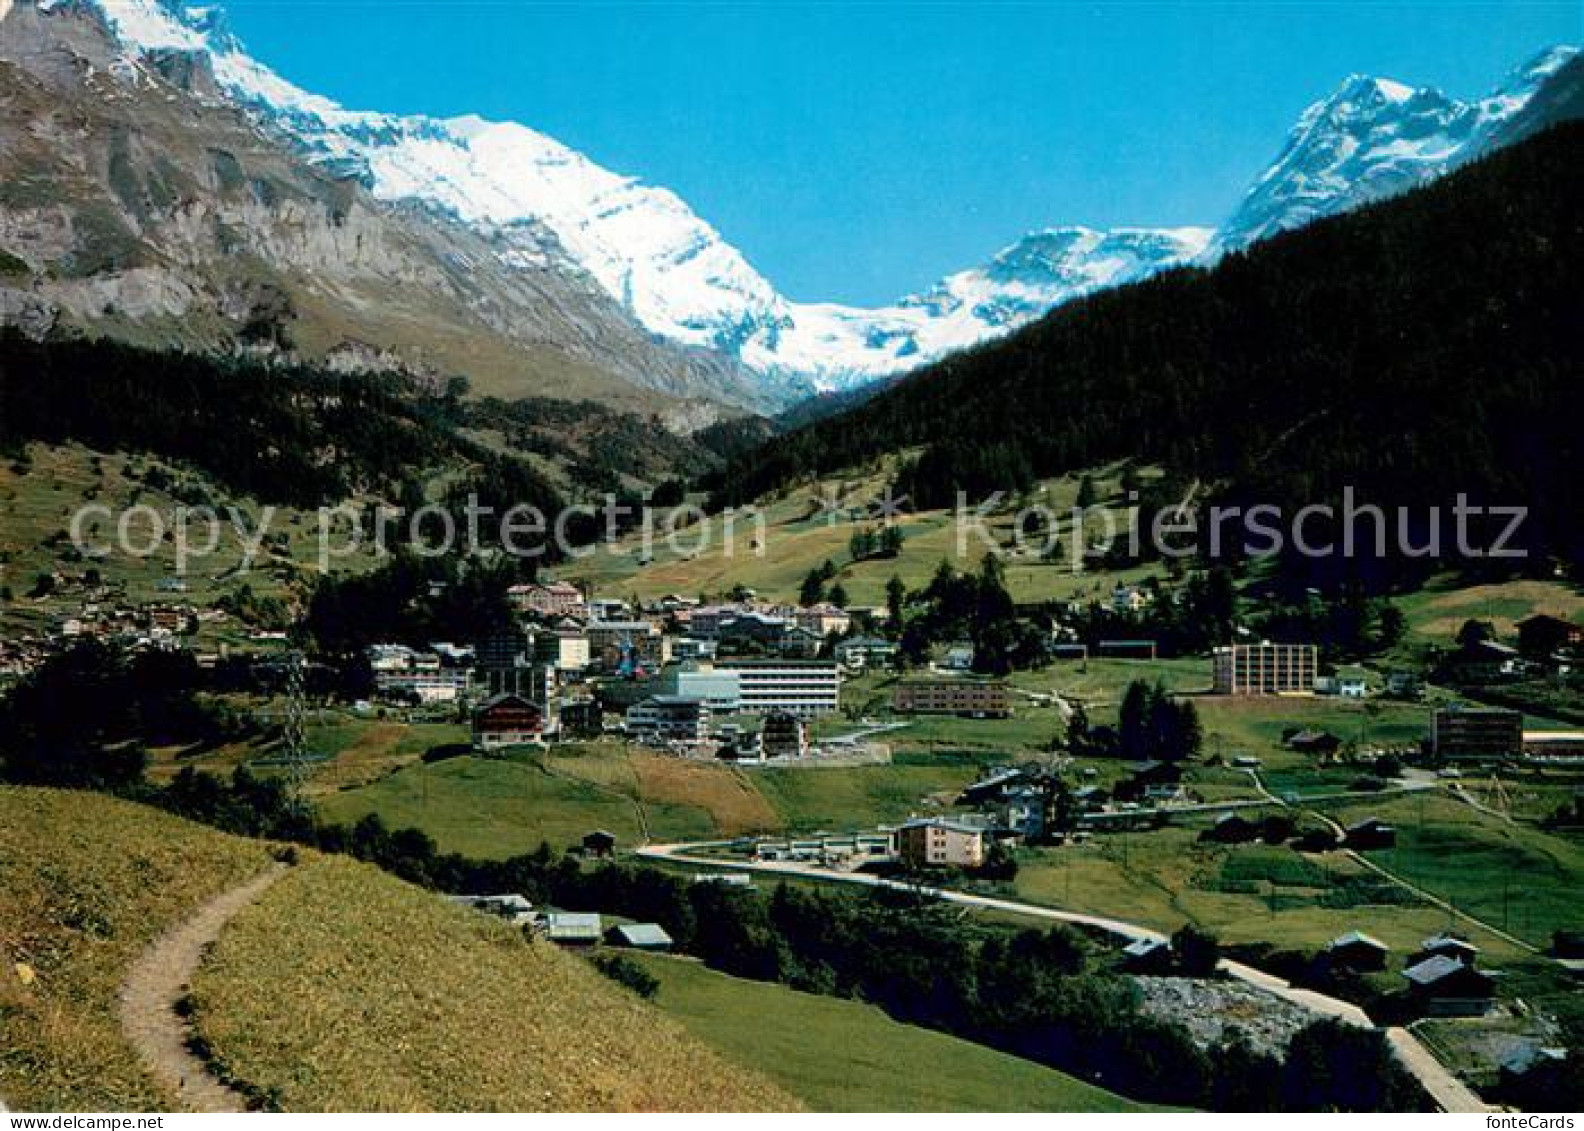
x=138 y=202
x=682 y=311
x=1373 y=137
x=1417 y=347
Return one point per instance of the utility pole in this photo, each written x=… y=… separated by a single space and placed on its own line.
x=294 y=741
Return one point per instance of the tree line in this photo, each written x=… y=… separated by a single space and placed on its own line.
x=1424 y=345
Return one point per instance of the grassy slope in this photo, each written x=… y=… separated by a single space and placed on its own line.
x=37 y=504
x=1506 y=874
x=86 y=883
x=497 y=807
x=1245 y=894
x=389 y=999
x=843 y=799
x=838 y=1055
x=500 y=806
x=799 y=537
x=1436 y=612
x=1512 y=876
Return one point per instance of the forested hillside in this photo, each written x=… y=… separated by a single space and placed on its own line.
x=1418 y=348
x=305 y=435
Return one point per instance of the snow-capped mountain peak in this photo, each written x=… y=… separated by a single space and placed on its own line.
x=641 y=243
x=1374 y=137
x=540 y=202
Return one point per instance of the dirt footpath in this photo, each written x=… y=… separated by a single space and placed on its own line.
x=158 y=982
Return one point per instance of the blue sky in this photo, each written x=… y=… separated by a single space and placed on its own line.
x=857 y=152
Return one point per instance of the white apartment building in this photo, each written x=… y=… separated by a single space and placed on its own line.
x=799 y=687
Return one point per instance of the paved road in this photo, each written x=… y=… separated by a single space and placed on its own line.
x=1447 y=1091
x=159 y=980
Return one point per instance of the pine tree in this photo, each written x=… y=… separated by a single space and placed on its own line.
x=812 y=591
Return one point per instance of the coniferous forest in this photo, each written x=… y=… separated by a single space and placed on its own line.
x=1423 y=346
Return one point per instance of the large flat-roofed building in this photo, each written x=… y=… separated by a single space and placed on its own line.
x=564 y=649
x=800 y=687
x=400 y=671
x=1554 y=745
x=938 y=843
x=722 y=690
x=1476 y=733
x=1266 y=669
x=975 y=698
x=506 y=666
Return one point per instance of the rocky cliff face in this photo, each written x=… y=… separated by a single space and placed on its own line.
x=137 y=199
x=542 y=206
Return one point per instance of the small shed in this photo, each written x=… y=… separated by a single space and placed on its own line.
x=1446 y=946
x=639 y=936
x=1232 y=828
x=1445 y=987
x=1314 y=742
x=1147 y=956
x=599 y=843
x=1370 y=834
x=1531 y=1074
x=1357 y=951
x=510 y=906
x=573 y=928
x=725 y=879
x=1568 y=944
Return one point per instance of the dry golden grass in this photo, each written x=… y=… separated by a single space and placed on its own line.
x=345 y=989
x=379 y=750
x=86 y=882
x=731 y=800
x=1439 y=610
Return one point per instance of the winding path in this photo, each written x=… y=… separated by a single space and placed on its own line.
x=156 y=985
x=1449 y=1093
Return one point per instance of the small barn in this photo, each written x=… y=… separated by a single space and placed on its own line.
x=1232 y=828
x=639 y=936
x=599 y=843
x=1531 y=1075
x=572 y=928
x=1446 y=946
x=1445 y=987
x=510 y=906
x=1371 y=834
x=1357 y=952
x=1319 y=742
x=1147 y=956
